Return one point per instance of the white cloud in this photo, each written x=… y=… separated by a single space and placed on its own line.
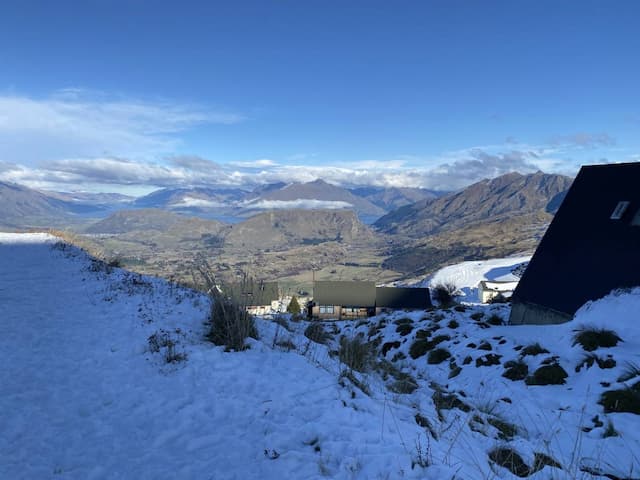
x=75 y=123
x=299 y=203
x=261 y=163
x=188 y=202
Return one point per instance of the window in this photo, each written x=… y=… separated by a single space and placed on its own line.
x=618 y=212
x=326 y=308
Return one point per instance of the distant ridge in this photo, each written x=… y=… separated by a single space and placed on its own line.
x=499 y=198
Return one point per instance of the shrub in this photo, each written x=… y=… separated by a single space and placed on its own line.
x=623 y=400
x=388 y=346
x=476 y=316
x=591 y=339
x=630 y=370
x=499 y=298
x=488 y=360
x=484 y=345
x=552 y=374
x=444 y=294
x=592 y=358
x=495 y=320
x=405 y=384
x=506 y=430
x=404 y=329
x=437 y=356
x=515 y=370
x=447 y=401
x=355 y=353
x=231 y=324
x=453 y=324
x=533 y=349
x=162 y=340
x=316 y=333
x=454 y=369
x=294 y=306
x=508 y=458
x=421 y=346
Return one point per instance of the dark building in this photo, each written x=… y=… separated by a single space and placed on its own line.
x=363 y=299
x=257 y=297
x=398 y=298
x=591 y=247
x=343 y=299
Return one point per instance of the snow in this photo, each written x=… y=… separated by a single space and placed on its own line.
x=467 y=275
x=84 y=396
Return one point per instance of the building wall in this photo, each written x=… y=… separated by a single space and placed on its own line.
x=530 y=314
x=339 y=312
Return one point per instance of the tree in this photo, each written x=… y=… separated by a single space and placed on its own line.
x=294 y=306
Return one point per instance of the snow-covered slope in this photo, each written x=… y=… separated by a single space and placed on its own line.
x=87 y=392
x=467 y=275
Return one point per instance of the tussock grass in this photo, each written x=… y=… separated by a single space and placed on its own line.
x=622 y=400
x=552 y=374
x=438 y=355
x=356 y=354
x=591 y=339
x=421 y=346
x=316 y=333
x=515 y=370
x=533 y=349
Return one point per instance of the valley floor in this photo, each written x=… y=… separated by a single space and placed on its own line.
x=106 y=374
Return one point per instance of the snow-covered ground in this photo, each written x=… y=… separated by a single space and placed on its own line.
x=84 y=394
x=467 y=275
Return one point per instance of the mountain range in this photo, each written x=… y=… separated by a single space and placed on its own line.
x=491 y=218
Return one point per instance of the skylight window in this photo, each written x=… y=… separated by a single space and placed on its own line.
x=619 y=210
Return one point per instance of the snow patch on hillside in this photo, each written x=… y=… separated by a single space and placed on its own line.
x=467 y=275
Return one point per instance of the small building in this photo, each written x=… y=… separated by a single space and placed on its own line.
x=489 y=289
x=256 y=297
x=402 y=298
x=591 y=247
x=341 y=299
x=344 y=300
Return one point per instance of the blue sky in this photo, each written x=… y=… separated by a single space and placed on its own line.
x=111 y=95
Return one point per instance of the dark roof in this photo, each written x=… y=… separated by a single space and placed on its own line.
x=585 y=253
x=346 y=294
x=252 y=293
x=391 y=297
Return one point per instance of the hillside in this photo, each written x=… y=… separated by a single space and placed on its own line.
x=500 y=198
x=286 y=228
x=492 y=218
x=112 y=377
x=23 y=207
x=150 y=219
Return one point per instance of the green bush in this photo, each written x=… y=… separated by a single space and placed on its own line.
x=592 y=338
x=294 y=306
